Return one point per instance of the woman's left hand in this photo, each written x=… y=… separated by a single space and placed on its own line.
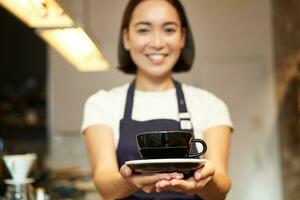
x=201 y=177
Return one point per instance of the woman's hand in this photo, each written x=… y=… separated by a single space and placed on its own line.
x=201 y=177
x=147 y=183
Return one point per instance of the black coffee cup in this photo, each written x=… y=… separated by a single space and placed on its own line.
x=167 y=144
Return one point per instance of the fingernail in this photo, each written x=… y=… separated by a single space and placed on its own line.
x=179 y=176
x=127 y=172
x=157 y=185
x=198 y=176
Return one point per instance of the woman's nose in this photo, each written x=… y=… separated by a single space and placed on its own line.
x=157 y=41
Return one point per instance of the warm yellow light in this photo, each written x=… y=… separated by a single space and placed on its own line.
x=38 y=13
x=57 y=29
x=75 y=46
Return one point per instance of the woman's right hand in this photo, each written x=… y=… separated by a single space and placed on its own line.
x=146 y=182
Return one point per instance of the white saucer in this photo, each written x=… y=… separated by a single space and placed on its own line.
x=183 y=165
x=14 y=182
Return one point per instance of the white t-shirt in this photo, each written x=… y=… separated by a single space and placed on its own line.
x=107 y=108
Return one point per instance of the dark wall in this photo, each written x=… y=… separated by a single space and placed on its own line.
x=22 y=53
x=23 y=94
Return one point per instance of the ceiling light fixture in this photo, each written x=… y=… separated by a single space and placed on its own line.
x=59 y=30
x=75 y=45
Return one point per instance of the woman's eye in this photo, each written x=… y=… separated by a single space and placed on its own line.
x=142 y=30
x=170 y=30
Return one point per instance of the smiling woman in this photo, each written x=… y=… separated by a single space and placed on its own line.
x=186 y=58
x=155 y=41
x=154 y=38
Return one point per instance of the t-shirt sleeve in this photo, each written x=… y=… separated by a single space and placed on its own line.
x=96 y=111
x=218 y=114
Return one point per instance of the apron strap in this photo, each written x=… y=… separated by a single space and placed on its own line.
x=129 y=101
x=183 y=114
x=180 y=98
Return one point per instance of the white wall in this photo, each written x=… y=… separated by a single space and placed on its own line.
x=233 y=59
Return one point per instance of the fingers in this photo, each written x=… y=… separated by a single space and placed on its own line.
x=203 y=182
x=164 y=184
x=202 y=176
x=125 y=171
x=187 y=186
x=207 y=170
x=147 y=182
x=148 y=188
x=171 y=181
x=152 y=179
x=151 y=182
x=178 y=185
x=176 y=175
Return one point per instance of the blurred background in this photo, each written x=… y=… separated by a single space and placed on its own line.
x=247 y=53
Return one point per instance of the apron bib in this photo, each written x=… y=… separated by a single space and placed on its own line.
x=127 y=147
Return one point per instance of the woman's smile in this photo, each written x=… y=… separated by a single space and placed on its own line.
x=156 y=58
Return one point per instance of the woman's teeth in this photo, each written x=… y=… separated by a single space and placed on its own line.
x=156 y=58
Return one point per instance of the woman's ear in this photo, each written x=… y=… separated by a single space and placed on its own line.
x=126 y=39
x=183 y=37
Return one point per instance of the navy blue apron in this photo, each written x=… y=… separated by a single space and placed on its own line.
x=127 y=148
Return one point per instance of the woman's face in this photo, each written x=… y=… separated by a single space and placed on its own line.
x=154 y=38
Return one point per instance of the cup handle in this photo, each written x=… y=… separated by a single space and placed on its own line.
x=204 y=148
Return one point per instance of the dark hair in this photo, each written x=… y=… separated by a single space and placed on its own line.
x=187 y=55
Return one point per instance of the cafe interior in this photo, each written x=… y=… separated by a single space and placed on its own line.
x=54 y=54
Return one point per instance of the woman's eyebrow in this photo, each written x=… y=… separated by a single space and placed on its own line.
x=148 y=23
x=142 y=23
x=171 y=23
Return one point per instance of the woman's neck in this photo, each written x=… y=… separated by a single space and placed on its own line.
x=147 y=84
